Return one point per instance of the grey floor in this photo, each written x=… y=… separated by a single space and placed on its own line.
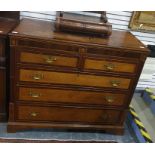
x=128 y=137
x=145 y=114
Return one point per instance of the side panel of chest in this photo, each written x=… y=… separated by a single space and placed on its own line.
x=2 y=80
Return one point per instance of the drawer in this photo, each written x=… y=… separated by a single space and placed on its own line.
x=54 y=45
x=73 y=79
x=45 y=59
x=109 y=65
x=71 y=96
x=68 y=114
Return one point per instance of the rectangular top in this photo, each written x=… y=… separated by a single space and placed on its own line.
x=45 y=30
x=6 y=25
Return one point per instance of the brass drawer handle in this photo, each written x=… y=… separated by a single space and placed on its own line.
x=37 y=76
x=50 y=59
x=33 y=114
x=115 y=83
x=109 y=66
x=35 y=95
x=109 y=99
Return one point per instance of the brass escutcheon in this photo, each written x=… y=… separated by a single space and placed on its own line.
x=34 y=95
x=50 y=59
x=38 y=76
x=34 y=114
x=109 y=66
x=109 y=99
x=115 y=83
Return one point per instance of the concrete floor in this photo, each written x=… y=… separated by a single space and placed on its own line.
x=128 y=136
x=145 y=114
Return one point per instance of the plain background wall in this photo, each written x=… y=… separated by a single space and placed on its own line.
x=120 y=21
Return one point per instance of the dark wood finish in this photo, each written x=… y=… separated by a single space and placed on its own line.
x=108 y=65
x=15 y=15
x=48 y=59
x=75 y=93
x=73 y=79
x=6 y=25
x=71 y=22
x=71 y=96
x=2 y=47
x=68 y=115
x=2 y=95
x=8 y=20
x=19 y=126
x=118 y=40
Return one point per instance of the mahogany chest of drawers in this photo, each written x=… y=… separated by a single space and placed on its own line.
x=61 y=80
x=8 y=21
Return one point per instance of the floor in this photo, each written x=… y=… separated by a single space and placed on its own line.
x=128 y=137
x=145 y=114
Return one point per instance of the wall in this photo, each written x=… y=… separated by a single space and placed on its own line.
x=120 y=21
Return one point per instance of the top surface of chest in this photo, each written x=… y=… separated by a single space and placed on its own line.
x=44 y=30
x=6 y=25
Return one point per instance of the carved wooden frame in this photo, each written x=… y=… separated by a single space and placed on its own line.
x=142 y=21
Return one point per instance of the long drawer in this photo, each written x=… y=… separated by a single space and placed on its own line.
x=32 y=43
x=48 y=59
x=73 y=79
x=68 y=114
x=71 y=96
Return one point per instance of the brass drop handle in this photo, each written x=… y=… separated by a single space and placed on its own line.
x=37 y=76
x=34 y=95
x=109 y=66
x=33 y=114
x=50 y=59
x=115 y=83
x=109 y=99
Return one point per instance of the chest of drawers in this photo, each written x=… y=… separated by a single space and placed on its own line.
x=7 y=23
x=61 y=80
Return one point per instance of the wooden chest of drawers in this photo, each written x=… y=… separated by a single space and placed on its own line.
x=6 y=25
x=61 y=80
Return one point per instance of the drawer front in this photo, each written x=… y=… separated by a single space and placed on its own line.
x=49 y=45
x=48 y=59
x=70 y=96
x=67 y=114
x=111 y=66
x=73 y=79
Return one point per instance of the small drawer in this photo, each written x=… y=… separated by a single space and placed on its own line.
x=71 y=96
x=111 y=66
x=73 y=79
x=27 y=57
x=68 y=114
